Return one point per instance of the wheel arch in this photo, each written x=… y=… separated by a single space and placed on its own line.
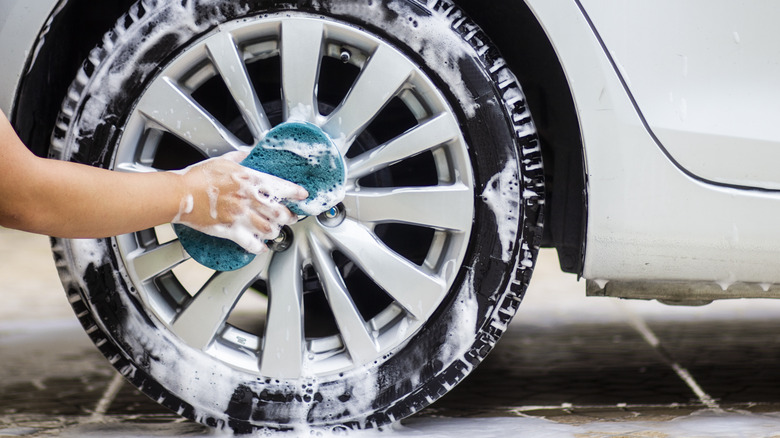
x=552 y=106
x=76 y=27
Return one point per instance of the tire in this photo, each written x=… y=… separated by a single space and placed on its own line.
x=389 y=302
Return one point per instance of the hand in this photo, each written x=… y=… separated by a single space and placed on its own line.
x=224 y=199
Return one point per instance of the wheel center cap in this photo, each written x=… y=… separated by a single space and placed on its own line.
x=302 y=153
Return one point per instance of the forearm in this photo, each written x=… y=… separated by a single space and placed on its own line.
x=69 y=200
x=65 y=199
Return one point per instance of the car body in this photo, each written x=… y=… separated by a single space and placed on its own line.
x=655 y=121
x=675 y=139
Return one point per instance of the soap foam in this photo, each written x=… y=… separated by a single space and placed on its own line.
x=295 y=151
x=502 y=194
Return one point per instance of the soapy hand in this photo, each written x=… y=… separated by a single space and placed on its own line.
x=227 y=200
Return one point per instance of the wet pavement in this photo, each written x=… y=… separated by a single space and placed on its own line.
x=569 y=366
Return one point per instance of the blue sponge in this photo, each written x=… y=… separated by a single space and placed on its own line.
x=212 y=252
x=300 y=152
x=295 y=151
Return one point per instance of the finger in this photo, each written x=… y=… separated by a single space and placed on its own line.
x=278 y=187
x=251 y=242
x=257 y=246
x=284 y=217
x=254 y=246
x=291 y=218
x=275 y=212
x=267 y=230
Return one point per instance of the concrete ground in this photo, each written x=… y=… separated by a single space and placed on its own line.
x=569 y=366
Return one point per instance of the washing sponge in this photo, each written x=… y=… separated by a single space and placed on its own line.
x=300 y=152
x=296 y=151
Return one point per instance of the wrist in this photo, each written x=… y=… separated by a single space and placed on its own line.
x=180 y=202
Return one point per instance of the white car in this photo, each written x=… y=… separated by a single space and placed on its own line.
x=643 y=146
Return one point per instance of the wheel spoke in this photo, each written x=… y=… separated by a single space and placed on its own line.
x=412 y=288
x=149 y=264
x=421 y=206
x=207 y=312
x=421 y=138
x=226 y=57
x=177 y=112
x=301 y=46
x=360 y=344
x=282 y=355
x=379 y=82
x=134 y=168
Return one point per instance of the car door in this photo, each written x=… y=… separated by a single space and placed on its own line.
x=703 y=75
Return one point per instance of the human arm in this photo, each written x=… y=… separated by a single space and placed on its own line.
x=71 y=200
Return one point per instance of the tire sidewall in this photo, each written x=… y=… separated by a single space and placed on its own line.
x=444 y=350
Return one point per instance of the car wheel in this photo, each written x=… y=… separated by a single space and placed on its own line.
x=360 y=316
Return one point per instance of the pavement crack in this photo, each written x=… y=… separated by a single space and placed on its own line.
x=107 y=398
x=638 y=324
